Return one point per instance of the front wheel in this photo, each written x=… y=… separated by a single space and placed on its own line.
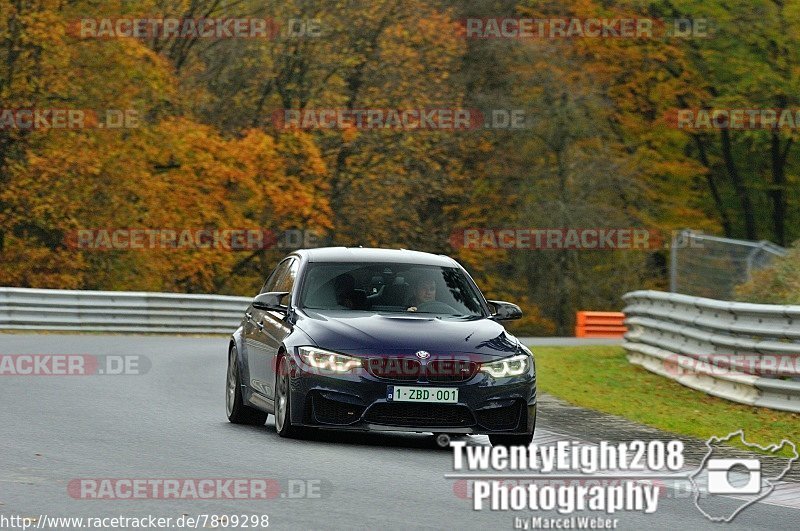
x=237 y=412
x=283 y=417
x=511 y=440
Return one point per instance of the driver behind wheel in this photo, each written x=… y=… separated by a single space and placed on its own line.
x=423 y=290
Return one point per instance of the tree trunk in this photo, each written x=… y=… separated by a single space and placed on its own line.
x=777 y=191
x=563 y=319
x=712 y=186
x=742 y=194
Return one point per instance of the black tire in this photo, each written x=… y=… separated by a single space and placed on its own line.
x=283 y=403
x=511 y=440
x=238 y=413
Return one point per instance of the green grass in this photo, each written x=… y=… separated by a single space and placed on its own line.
x=601 y=378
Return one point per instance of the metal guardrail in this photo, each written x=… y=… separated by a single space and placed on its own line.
x=747 y=353
x=117 y=311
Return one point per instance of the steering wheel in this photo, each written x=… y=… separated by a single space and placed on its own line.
x=435 y=307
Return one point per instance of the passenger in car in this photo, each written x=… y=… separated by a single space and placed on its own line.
x=347 y=295
x=344 y=285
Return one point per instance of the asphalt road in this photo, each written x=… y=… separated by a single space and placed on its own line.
x=170 y=423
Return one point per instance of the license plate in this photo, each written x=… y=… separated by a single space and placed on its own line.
x=440 y=395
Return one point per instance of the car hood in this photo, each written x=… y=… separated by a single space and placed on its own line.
x=391 y=334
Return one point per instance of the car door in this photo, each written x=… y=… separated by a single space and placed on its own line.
x=255 y=340
x=269 y=330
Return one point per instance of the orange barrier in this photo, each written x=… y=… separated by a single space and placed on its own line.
x=599 y=324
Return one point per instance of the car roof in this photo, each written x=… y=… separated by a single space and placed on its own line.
x=361 y=254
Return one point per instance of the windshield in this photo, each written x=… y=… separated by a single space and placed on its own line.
x=392 y=288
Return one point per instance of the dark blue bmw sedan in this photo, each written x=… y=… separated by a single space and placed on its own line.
x=380 y=340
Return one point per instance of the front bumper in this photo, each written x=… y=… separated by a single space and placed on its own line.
x=358 y=401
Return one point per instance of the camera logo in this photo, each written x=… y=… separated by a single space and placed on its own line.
x=722 y=478
x=738 y=478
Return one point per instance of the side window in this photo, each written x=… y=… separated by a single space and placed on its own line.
x=276 y=276
x=286 y=281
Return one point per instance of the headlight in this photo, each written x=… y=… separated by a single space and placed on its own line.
x=513 y=366
x=326 y=360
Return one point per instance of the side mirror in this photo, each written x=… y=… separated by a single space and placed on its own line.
x=504 y=311
x=271 y=301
